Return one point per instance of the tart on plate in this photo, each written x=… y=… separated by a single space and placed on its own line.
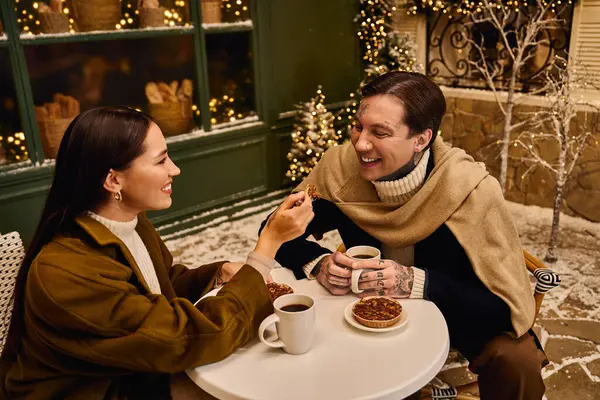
x=377 y=312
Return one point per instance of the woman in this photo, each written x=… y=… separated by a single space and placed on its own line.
x=440 y=221
x=100 y=310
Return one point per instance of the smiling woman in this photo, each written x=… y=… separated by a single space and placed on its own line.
x=100 y=310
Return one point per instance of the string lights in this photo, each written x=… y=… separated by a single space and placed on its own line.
x=466 y=7
x=223 y=109
x=14 y=146
x=235 y=10
x=29 y=22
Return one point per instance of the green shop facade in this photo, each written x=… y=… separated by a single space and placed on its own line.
x=247 y=76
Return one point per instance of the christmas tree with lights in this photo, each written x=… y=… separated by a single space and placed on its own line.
x=313 y=135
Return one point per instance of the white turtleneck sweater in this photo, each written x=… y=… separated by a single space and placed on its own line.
x=397 y=191
x=128 y=235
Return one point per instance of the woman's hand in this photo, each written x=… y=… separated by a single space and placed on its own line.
x=388 y=279
x=288 y=222
x=227 y=271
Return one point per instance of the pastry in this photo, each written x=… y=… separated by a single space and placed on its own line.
x=377 y=312
x=311 y=191
x=278 y=289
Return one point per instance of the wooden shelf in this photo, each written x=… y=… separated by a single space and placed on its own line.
x=105 y=35
x=242 y=26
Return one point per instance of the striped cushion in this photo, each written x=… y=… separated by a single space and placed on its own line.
x=546 y=280
x=443 y=394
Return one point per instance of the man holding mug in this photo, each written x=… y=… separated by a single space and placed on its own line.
x=441 y=224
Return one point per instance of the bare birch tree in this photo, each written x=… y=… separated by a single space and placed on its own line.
x=568 y=125
x=520 y=35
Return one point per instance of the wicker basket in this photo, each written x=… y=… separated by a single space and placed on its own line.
x=51 y=133
x=53 y=22
x=211 y=11
x=173 y=117
x=97 y=15
x=152 y=17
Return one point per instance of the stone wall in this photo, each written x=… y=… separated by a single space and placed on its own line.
x=476 y=125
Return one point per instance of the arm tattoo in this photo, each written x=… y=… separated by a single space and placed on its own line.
x=403 y=278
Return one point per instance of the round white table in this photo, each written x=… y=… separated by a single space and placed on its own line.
x=344 y=362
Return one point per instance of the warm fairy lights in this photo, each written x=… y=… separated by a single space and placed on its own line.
x=14 y=146
x=466 y=7
x=28 y=15
x=234 y=10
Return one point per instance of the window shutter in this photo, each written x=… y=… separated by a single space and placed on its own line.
x=585 y=40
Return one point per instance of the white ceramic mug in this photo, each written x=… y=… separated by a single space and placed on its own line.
x=295 y=329
x=353 y=252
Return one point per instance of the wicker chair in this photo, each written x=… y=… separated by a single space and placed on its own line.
x=546 y=280
x=11 y=257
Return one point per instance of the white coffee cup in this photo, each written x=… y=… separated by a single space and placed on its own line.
x=295 y=328
x=366 y=253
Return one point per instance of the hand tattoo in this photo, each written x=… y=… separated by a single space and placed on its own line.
x=403 y=281
x=382 y=292
x=379 y=274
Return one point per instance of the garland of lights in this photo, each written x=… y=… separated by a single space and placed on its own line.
x=466 y=7
x=28 y=15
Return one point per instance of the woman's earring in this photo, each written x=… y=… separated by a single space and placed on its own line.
x=118 y=196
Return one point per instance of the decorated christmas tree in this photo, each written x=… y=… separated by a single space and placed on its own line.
x=373 y=25
x=313 y=135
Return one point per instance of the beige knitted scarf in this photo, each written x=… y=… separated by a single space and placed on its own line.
x=458 y=192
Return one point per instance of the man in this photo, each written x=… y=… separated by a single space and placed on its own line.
x=440 y=221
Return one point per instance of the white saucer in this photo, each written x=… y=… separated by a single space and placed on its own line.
x=350 y=319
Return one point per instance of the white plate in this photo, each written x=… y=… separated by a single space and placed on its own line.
x=350 y=319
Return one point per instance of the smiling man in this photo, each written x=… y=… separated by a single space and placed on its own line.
x=441 y=224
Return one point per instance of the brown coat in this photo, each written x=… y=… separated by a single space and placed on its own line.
x=93 y=329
